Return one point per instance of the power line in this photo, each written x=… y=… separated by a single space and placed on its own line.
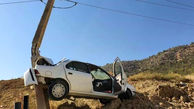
x=131 y=13
x=107 y=9
x=163 y=5
x=18 y=2
x=74 y=4
x=181 y=4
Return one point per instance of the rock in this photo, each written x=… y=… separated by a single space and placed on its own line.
x=170 y=108
x=154 y=98
x=157 y=106
x=123 y=106
x=181 y=99
x=188 y=85
x=184 y=99
x=190 y=90
x=191 y=105
x=181 y=84
x=168 y=99
x=32 y=87
x=173 y=98
x=166 y=91
x=161 y=104
x=115 y=104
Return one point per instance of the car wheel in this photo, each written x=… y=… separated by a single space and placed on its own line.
x=58 y=90
x=126 y=95
x=104 y=101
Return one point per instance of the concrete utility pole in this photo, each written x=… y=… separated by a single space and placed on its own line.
x=41 y=93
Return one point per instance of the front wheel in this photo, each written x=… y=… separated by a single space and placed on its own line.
x=58 y=90
x=104 y=101
x=126 y=95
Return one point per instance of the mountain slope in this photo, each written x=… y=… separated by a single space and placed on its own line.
x=178 y=59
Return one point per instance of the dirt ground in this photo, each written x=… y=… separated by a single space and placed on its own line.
x=151 y=94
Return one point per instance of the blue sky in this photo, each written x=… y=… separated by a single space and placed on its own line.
x=89 y=34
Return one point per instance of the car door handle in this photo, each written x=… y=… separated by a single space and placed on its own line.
x=70 y=73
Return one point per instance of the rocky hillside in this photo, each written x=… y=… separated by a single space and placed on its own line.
x=174 y=60
x=151 y=94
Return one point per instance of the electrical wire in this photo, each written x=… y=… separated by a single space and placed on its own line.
x=74 y=4
x=181 y=4
x=163 y=5
x=131 y=13
x=18 y=2
x=104 y=8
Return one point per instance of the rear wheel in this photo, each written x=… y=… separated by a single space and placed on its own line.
x=58 y=90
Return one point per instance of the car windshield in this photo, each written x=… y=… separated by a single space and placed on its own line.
x=98 y=73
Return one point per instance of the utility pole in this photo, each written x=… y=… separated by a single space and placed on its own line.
x=41 y=93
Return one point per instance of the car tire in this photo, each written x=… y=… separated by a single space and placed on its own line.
x=58 y=90
x=126 y=95
x=104 y=101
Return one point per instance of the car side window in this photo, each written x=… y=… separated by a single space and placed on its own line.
x=77 y=66
x=70 y=66
x=98 y=73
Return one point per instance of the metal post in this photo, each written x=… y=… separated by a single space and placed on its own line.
x=18 y=105
x=40 y=32
x=25 y=102
x=41 y=97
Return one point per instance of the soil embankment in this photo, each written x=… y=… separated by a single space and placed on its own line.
x=150 y=94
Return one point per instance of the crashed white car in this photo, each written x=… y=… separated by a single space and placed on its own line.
x=78 y=79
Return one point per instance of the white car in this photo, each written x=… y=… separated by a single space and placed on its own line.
x=78 y=79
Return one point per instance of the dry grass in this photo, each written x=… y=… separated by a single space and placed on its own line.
x=158 y=76
x=190 y=76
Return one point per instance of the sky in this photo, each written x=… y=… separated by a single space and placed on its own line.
x=88 y=34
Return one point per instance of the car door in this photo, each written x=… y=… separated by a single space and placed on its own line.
x=102 y=81
x=79 y=77
x=119 y=75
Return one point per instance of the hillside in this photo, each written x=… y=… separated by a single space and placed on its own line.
x=166 y=88
x=178 y=59
x=151 y=94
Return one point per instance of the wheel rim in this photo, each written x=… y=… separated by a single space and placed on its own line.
x=58 y=90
